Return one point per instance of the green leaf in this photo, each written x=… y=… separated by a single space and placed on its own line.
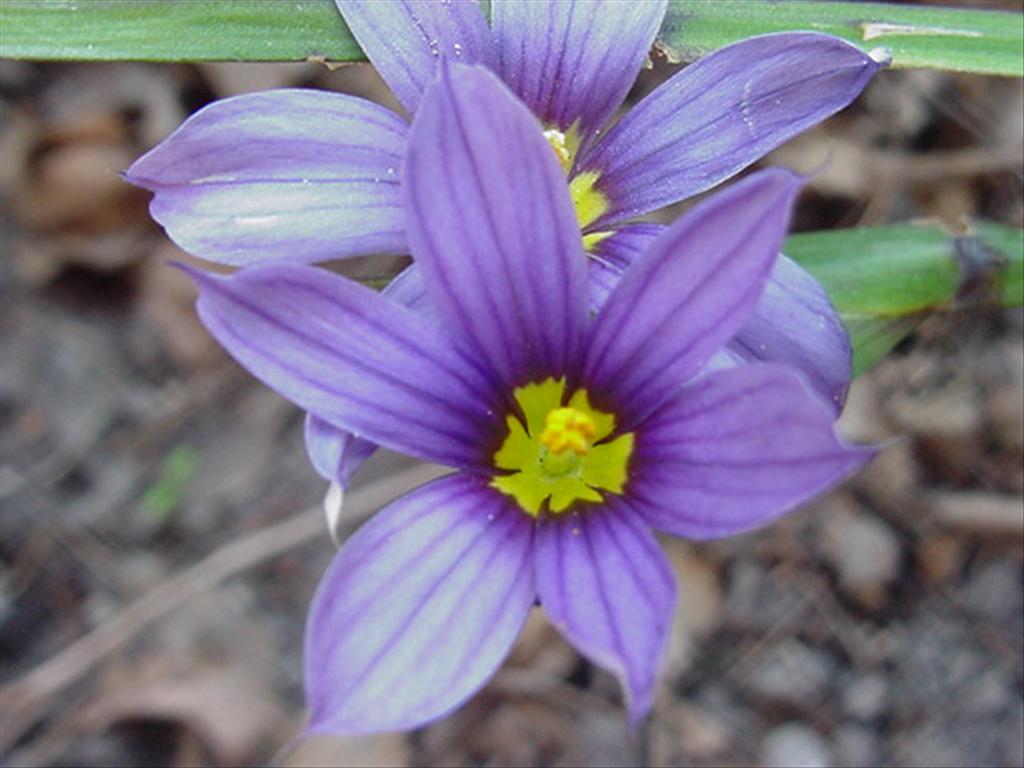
x=885 y=280
x=917 y=36
x=961 y=40
x=175 y=30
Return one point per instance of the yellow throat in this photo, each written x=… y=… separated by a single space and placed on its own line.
x=557 y=456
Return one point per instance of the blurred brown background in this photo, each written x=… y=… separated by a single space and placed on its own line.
x=880 y=625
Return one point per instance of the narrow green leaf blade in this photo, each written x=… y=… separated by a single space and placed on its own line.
x=957 y=39
x=885 y=280
x=175 y=30
x=918 y=36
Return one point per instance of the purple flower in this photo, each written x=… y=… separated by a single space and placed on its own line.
x=572 y=436
x=309 y=176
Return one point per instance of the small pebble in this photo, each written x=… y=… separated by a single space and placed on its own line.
x=794 y=745
x=864 y=552
x=791 y=673
x=865 y=697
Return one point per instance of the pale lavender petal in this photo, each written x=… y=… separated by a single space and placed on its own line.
x=353 y=358
x=293 y=175
x=607 y=586
x=408 y=289
x=492 y=227
x=721 y=114
x=736 y=449
x=687 y=295
x=406 y=39
x=418 y=609
x=334 y=453
x=573 y=60
x=793 y=322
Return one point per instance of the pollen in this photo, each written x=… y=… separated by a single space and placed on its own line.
x=567 y=429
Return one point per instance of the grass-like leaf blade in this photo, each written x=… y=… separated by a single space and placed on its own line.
x=957 y=39
x=175 y=30
x=885 y=280
x=917 y=36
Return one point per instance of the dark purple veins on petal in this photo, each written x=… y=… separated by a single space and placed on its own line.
x=354 y=359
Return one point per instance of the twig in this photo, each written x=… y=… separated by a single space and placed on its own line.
x=22 y=701
x=524 y=682
x=950 y=164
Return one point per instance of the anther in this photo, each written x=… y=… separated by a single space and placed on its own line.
x=567 y=429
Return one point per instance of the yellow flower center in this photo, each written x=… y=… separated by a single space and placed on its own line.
x=590 y=203
x=557 y=456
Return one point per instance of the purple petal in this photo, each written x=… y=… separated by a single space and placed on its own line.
x=795 y=323
x=418 y=609
x=282 y=175
x=736 y=449
x=573 y=60
x=608 y=260
x=353 y=358
x=334 y=453
x=607 y=586
x=492 y=226
x=722 y=113
x=689 y=293
x=405 y=40
x=406 y=288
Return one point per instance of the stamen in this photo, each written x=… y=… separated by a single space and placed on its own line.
x=568 y=429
